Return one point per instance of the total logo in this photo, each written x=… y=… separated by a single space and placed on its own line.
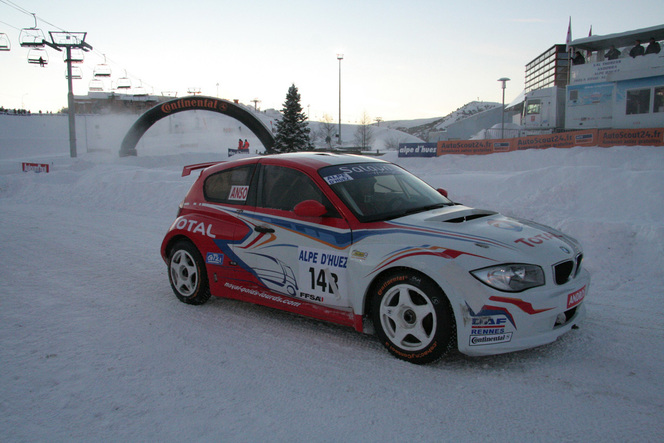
x=195 y=227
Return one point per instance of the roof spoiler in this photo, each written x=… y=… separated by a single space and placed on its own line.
x=189 y=168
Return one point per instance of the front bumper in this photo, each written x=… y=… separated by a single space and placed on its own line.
x=512 y=322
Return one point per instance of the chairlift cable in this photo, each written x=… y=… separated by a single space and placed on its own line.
x=36 y=17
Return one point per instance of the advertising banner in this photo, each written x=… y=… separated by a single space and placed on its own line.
x=35 y=167
x=418 y=149
x=631 y=137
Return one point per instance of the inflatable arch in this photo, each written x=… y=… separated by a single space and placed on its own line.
x=151 y=116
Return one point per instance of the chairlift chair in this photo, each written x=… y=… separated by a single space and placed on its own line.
x=96 y=85
x=123 y=83
x=77 y=55
x=76 y=73
x=38 y=56
x=5 y=44
x=31 y=37
x=102 y=70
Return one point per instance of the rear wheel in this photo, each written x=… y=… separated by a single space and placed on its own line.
x=412 y=317
x=187 y=274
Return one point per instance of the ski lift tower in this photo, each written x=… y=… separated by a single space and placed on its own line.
x=69 y=41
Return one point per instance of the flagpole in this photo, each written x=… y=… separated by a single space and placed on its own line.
x=568 y=41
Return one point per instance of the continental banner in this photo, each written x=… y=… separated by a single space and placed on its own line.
x=591 y=137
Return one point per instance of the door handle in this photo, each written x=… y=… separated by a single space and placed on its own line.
x=264 y=229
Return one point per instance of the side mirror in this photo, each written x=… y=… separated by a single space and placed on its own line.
x=442 y=192
x=310 y=208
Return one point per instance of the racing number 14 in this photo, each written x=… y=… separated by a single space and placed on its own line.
x=321 y=280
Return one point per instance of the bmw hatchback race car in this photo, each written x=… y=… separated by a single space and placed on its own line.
x=363 y=243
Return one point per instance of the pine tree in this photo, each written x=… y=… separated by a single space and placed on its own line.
x=292 y=129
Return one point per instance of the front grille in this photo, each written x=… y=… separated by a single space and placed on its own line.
x=564 y=271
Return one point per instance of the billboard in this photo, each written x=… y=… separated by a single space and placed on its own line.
x=418 y=149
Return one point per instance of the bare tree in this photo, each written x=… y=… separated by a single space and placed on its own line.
x=327 y=130
x=364 y=132
x=392 y=142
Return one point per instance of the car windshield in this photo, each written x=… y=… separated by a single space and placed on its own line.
x=381 y=191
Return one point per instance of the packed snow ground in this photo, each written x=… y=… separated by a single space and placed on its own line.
x=95 y=347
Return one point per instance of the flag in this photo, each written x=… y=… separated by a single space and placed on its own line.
x=590 y=33
x=569 y=35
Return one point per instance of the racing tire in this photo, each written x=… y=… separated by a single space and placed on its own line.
x=412 y=317
x=187 y=274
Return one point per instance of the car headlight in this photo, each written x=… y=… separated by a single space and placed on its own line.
x=513 y=277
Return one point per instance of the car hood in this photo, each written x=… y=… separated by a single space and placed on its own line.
x=491 y=230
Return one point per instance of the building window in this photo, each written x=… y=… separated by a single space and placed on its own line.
x=638 y=101
x=659 y=99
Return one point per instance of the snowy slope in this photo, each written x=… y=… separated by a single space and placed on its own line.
x=94 y=345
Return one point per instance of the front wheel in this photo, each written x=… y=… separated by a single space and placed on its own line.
x=412 y=317
x=187 y=274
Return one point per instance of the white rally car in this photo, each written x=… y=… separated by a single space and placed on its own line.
x=362 y=242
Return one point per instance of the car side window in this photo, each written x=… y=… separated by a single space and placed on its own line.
x=230 y=186
x=284 y=188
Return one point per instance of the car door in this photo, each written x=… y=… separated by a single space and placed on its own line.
x=226 y=194
x=302 y=257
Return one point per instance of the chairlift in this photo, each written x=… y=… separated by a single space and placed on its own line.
x=76 y=73
x=77 y=55
x=5 y=44
x=102 y=70
x=38 y=56
x=96 y=85
x=123 y=83
x=31 y=37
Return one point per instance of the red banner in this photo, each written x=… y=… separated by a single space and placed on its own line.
x=35 y=167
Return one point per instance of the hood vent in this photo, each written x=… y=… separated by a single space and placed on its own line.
x=470 y=216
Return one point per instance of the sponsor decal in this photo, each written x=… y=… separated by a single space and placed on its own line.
x=538 y=239
x=359 y=254
x=488 y=325
x=311 y=297
x=195 y=227
x=322 y=272
x=214 y=258
x=355 y=172
x=480 y=340
x=424 y=353
x=261 y=294
x=491 y=317
x=576 y=297
x=337 y=178
x=489 y=330
x=390 y=281
x=238 y=193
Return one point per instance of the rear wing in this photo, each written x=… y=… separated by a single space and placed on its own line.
x=189 y=168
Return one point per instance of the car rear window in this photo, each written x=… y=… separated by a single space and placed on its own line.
x=229 y=186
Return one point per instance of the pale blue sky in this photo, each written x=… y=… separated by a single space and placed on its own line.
x=402 y=59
